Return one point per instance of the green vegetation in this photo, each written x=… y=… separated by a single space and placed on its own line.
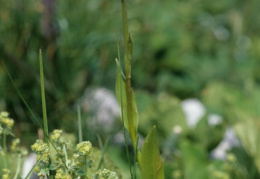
x=182 y=49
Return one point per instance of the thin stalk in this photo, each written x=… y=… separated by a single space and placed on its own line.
x=31 y=171
x=44 y=111
x=103 y=150
x=86 y=163
x=127 y=60
x=127 y=153
x=66 y=155
x=4 y=159
x=4 y=151
x=4 y=142
x=124 y=16
x=18 y=166
x=124 y=129
x=34 y=118
x=135 y=156
x=79 y=125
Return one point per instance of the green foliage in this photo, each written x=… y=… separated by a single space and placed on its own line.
x=194 y=160
x=164 y=111
x=203 y=49
x=122 y=100
x=151 y=165
x=248 y=133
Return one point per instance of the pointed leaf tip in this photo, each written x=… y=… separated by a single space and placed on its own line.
x=151 y=163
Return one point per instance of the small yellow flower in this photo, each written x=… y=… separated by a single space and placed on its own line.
x=67 y=176
x=42 y=150
x=84 y=148
x=8 y=122
x=60 y=174
x=6 y=174
x=4 y=114
x=14 y=145
x=56 y=134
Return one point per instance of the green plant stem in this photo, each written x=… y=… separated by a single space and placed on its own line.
x=4 y=158
x=127 y=152
x=18 y=166
x=35 y=165
x=86 y=162
x=127 y=60
x=4 y=151
x=44 y=111
x=4 y=142
x=79 y=125
x=124 y=16
x=66 y=155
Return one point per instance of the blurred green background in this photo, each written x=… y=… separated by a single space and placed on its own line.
x=202 y=49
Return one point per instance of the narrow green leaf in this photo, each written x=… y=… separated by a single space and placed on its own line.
x=122 y=100
x=79 y=124
x=35 y=165
x=151 y=163
x=44 y=111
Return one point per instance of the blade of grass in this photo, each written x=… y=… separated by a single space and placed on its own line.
x=132 y=116
x=135 y=156
x=103 y=150
x=44 y=111
x=79 y=124
x=127 y=153
x=35 y=119
x=119 y=91
x=18 y=166
x=31 y=171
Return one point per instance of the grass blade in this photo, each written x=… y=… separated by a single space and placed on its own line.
x=79 y=124
x=31 y=171
x=44 y=111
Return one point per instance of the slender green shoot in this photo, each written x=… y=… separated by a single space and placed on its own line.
x=122 y=112
x=79 y=124
x=44 y=111
x=66 y=155
x=128 y=47
x=103 y=150
x=28 y=176
x=4 y=142
x=4 y=158
x=19 y=162
x=127 y=151
x=135 y=157
x=35 y=119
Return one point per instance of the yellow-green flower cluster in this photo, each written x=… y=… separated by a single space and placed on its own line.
x=6 y=174
x=42 y=150
x=56 y=134
x=62 y=175
x=14 y=145
x=5 y=122
x=84 y=148
x=106 y=174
